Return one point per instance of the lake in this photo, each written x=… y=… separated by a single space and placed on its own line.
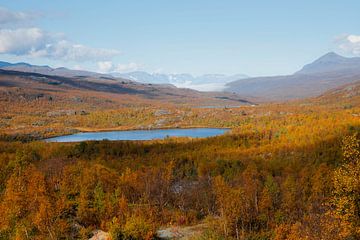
x=135 y=135
x=220 y=107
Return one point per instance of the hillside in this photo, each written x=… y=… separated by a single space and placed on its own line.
x=106 y=85
x=206 y=82
x=274 y=174
x=348 y=94
x=46 y=70
x=39 y=104
x=276 y=162
x=327 y=72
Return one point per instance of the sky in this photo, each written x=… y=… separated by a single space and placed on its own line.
x=255 y=37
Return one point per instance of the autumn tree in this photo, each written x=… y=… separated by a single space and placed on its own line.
x=269 y=200
x=25 y=208
x=230 y=202
x=346 y=198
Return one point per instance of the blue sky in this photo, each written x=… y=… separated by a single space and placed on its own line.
x=188 y=36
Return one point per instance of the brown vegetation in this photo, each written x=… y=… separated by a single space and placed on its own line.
x=286 y=171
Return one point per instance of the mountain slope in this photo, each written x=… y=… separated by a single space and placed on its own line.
x=349 y=94
x=332 y=62
x=206 y=82
x=46 y=70
x=325 y=73
x=111 y=88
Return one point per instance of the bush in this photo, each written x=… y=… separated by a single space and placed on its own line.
x=115 y=229
x=137 y=227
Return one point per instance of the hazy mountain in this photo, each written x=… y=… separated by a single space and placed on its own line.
x=207 y=82
x=4 y=64
x=331 y=62
x=143 y=77
x=36 y=85
x=327 y=72
x=65 y=72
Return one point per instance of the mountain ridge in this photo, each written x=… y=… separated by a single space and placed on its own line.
x=331 y=62
x=47 y=70
x=205 y=82
x=329 y=71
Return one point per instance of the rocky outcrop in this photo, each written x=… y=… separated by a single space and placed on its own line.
x=66 y=113
x=100 y=235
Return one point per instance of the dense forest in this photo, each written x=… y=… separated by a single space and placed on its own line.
x=277 y=176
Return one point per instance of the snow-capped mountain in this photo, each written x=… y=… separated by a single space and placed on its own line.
x=207 y=82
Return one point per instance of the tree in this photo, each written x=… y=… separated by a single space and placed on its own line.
x=269 y=198
x=230 y=202
x=26 y=208
x=99 y=200
x=289 y=198
x=346 y=199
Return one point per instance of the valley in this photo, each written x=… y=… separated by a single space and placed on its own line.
x=272 y=169
x=179 y=120
x=37 y=104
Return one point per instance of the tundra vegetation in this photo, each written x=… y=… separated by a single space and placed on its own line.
x=285 y=171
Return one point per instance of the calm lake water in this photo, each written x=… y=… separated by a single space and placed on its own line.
x=141 y=134
x=214 y=107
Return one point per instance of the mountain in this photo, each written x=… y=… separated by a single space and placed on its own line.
x=331 y=62
x=46 y=70
x=207 y=82
x=4 y=64
x=327 y=72
x=32 y=85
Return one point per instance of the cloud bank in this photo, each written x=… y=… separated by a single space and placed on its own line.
x=350 y=44
x=36 y=42
x=11 y=17
x=108 y=67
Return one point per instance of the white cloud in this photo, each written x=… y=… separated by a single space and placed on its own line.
x=350 y=44
x=159 y=71
x=66 y=50
x=12 y=17
x=35 y=42
x=354 y=39
x=127 y=67
x=77 y=67
x=23 y=41
x=105 y=66
x=108 y=67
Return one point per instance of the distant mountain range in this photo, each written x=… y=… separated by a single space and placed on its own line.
x=31 y=85
x=206 y=82
x=327 y=72
x=46 y=70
